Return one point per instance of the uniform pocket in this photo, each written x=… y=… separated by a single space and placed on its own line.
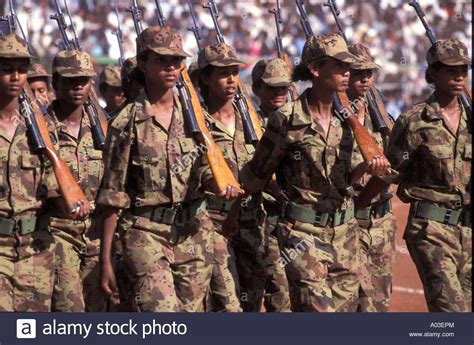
x=30 y=172
x=96 y=167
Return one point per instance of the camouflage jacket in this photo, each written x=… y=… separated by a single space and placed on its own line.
x=81 y=156
x=24 y=175
x=434 y=164
x=314 y=169
x=235 y=150
x=148 y=165
x=382 y=141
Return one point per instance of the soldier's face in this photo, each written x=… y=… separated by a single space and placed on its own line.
x=73 y=91
x=333 y=75
x=39 y=87
x=360 y=82
x=450 y=80
x=223 y=82
x=13 y=75
x=113 y=97
x=161 y=71
x=272 y=98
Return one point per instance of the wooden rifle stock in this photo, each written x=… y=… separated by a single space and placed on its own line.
x=374 y=187
x=368 y=147
x=223 y=176
x=68 y=186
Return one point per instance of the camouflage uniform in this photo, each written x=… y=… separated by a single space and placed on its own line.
x=435 y=169
x=276 y=297
x=377 y=222
x=26 y=245
x=239 y=265
x=77 y=263
x=317 y=229
x=155 y=174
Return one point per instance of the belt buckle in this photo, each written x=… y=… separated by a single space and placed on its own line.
x=447 y=216
x=317 y=220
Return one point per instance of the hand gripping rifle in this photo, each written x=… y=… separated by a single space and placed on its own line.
x=38 y=133
x=119 y=35
x=378 y=114
x=194 y=117
x=276 y=11
x=368 y=147
x=250 y=118
x=97 y=117
x=466 y=96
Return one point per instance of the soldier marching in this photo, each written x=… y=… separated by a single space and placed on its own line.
x=304 y=220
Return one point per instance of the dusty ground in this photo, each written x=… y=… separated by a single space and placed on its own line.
x=407 y=289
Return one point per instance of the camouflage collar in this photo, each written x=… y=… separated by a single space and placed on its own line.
x=142 y=104
x=301 y=115
x=216 y=124
x=433 y=109
x=62 y=127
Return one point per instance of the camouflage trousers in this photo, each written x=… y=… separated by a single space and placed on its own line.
x=77 y=272
x=249 y=249
x=377 y=256
x=224 y=282
x=277 y=296
x=443 y=257
x=322 y=265
x=169 y=265
x=26 y=272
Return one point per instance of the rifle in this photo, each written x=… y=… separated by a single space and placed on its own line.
x=97 y=117
x=250 y=119
x=119 y=35
x=466 y=96
x=195 y=29
x=39 y=135
x=279 y=45
x=368 y=147
x=378 y=114
x=194 y=115
x=136 y=16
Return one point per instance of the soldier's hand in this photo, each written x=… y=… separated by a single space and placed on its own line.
x=82 y=210
x=230 y=193
x=379 y=166
x=108 y=282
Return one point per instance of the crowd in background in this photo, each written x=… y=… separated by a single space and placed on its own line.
x=389 y=27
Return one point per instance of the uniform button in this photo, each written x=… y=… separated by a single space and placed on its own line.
x=86 y=157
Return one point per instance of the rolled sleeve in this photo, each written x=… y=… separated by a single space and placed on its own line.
x=268 y=154
x=117 y=150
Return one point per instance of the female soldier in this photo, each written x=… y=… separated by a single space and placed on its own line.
x=313 y=151
x=218 y=78
x=77 y=263
x=39 y=81
x=27 y=248
x=377 y=222
x=154 y=172
x=270 y=81
x=431 y=148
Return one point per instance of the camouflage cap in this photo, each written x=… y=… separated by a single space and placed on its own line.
x=12 y=46
x=164 y=41
x=219 y=55
x=37 y=70
x=366 y=61
x=333 y=45
x=73 y=63
x=110 y=75
x=271 y=72
x=128 y=68
x=451 y=52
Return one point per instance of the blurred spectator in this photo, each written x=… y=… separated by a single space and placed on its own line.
x=389 y=27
